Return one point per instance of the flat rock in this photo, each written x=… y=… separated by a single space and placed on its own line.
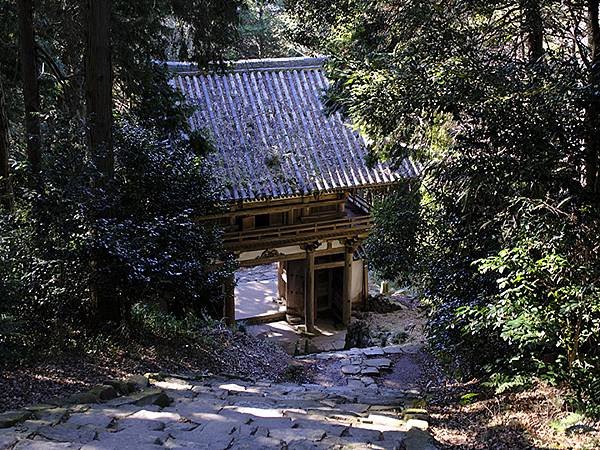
x=67 y=433
x=355 y=384
x=149 y=420
x=97 y=419
x=417 y=423
x=10 y=418
x=386 y=421
x=417 y=439
x=373 y=351
x=219 y=413
x=351 y=369
x=393 y=350
x=104 y=392
x=369 y=371
x=256 y=443
x=81 y=398
x=367 y=380
x=137 y=382
x=29 y=444
x=357 y=408
x=127 y=440
x=364 y=436
x=380 y=363
x=150 y=396
x=8 y=439
x=293 y=434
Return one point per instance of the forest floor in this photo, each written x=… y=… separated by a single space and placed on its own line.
x=466 y=415
x=49 y=375
x=463 y=414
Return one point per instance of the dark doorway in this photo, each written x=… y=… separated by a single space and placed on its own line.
x=329 y=285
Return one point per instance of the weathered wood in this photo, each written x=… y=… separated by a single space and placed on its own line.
x=268 y=208
x=309 y=290
x=296 y=277
x=281 y=283
x=329 y=265
x=350 y=247
x=302 y=233
x=290 y=257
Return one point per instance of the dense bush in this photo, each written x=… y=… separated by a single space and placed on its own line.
x=397 y=231
x=136 y=238
x=496 y=99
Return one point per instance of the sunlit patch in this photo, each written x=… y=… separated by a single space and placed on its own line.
x=232 y=387
x=256 y=412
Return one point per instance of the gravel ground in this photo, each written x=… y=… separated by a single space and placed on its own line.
x=60 y=375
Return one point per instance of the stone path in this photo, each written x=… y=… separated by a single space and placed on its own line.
x=221 y=413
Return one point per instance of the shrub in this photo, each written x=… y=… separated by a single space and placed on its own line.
x=137 y=237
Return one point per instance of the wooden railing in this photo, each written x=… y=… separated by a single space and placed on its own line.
x=301 y=232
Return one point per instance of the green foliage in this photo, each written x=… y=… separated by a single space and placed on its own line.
x=263 y=29
x=562 y=425
x=143 y=246
x=502 y=383
x=468 y=398
x=397 y=231
x=151 y=321
x=506 y=232
x=135 y=238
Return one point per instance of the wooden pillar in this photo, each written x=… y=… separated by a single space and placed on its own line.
x=281 y=284
x=229 y=300
x=350 y=245
x=309 y=287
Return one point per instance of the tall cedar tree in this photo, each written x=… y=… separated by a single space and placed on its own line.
x=592 y=116
x=98 y=88
x=5 y=183
x=31 y=92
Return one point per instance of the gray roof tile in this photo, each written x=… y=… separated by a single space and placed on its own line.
x=272 y=136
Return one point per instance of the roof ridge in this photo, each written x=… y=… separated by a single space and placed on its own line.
x=264 y=64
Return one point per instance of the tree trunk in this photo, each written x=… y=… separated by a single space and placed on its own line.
x=98 y=72
x=98 y=87
x=592 y=113
x=31 y=92
x=5 y=183
x=533 y=28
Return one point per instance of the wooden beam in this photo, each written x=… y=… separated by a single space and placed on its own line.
x=258 y=244
x=291 y=257
x=268 y=208
x=329 y=265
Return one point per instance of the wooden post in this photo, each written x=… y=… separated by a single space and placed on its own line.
x=281 y=284
x=229 y=300
x=309 y=287
x=350 y=245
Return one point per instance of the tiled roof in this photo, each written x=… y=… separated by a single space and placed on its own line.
x=272 y=136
